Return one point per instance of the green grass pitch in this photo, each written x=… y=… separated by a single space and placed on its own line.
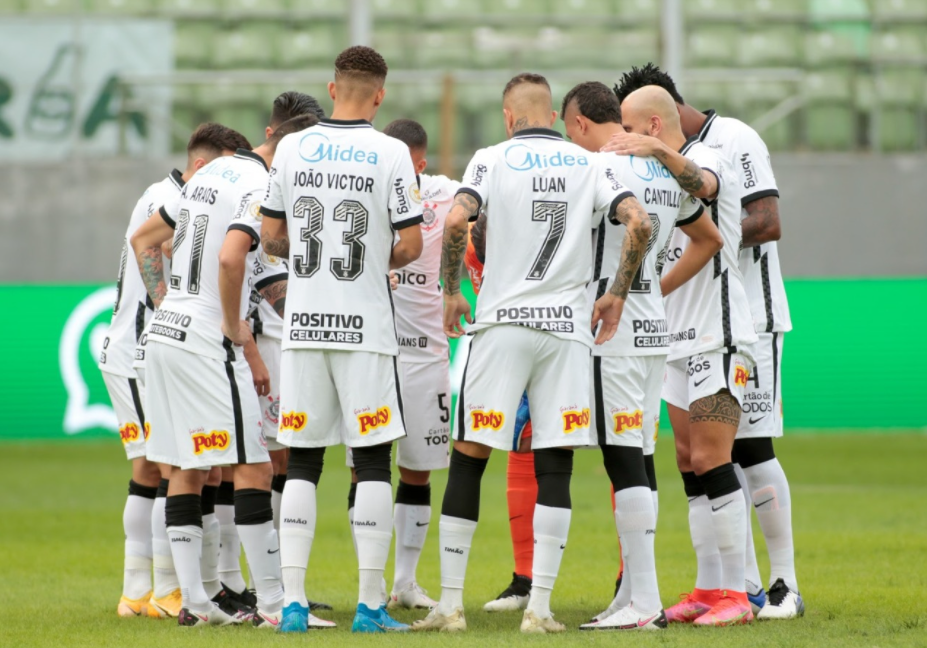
x=859 y=518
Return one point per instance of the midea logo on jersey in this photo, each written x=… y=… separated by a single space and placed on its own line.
x=316 y=147
x=520 y=157
x=648 y=170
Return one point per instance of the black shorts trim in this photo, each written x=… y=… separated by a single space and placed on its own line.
x=726 y=367
x=620 y=198
x=272 y=213
x=691 y=219
x=166 y=217
x=775 y=360
x=239 y=419
x=409 y=222
x=766 y=193
x=599 y=399
x=137 y=400
x=255 y=237
x=402 y=416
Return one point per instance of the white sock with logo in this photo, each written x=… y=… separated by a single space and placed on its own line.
x=551 y=528
x=701 y=528
x=455 y=536
x=136 y=522
x=373 y=532
x=729 y=521
x=297 y=530
x=229 y=549
x=411 y=528
x=165 y=577
x=186 y=548
x=753 y=580
x=636 y=521
x=263 y=551
x=209 y=560
x=772 y=498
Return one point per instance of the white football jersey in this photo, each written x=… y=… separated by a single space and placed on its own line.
x=748 y=155
x=133 y=306
x=710 y=312
x=222 y=196
x=344 y=189
x=544 y=196
x=419 y=305
x=267 y=270
x=643 y=329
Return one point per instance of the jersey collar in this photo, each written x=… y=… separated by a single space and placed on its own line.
x=177 y=178
x=710 y=115
x=549 y=133
x=251 y=155
x=345 y=123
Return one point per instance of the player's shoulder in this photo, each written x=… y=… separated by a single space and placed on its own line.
x=438 y=188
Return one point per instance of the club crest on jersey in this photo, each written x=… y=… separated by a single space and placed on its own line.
x=625 y=421
x=129 y=433
x=429 y=216
x=520 y=157
x=575 y=419
x=741 y=376
x=486 y=420
x=316 y=147
x=369 y=421
x=215 y=440
x=648 y=170
x=295 y=421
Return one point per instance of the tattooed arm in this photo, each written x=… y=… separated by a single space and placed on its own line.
x=146 y=243
x=478 y=236
x=453 y=250
x=762 y=222
x=232 y=259
x=275 y=294
x=274 y=237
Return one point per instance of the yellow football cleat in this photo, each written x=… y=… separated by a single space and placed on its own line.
x=133 y=607
x=167 y=606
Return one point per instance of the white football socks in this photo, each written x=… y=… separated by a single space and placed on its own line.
x=729 y=522
x=229 y=549
x=701 y=528
x=754 y=581
x=263 y=552
x=373 y=532
x=276 y=498
x=165 y=578
x=297 y=530
x=186 y=548
x=551 y=528
x=772 y=498
x=411 y=528
x=455 y=536
x=636 y=524
x=136 y=521
x=209 y=560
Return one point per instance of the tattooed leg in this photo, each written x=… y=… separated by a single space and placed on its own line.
x=713 y=422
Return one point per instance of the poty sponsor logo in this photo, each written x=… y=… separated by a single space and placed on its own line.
x=372 y=420
x=575 y=420
x=295 y=421
x=741 y=375
x=486 y=420
x=129 y=432
x=648 y=170
x=147 y=430
x=316 y=147
x=625 y=421
x=215 y=440
x=520 y=157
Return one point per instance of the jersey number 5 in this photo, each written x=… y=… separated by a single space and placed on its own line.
x=347 y=211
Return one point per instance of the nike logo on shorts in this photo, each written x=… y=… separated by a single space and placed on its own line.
x=699 y=382
x=754 y=421
x=274 y=551
x=718 y=508
x=421 y=524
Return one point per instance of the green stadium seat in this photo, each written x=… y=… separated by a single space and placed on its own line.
x=711 y=10
x=494 y=48
x=518 y=7
x=53 y=6
x=864 y=94
x=770 y=47
x=775 y=9
x=824 y=48
x=571 y=48
x=830 y=127
x=442 y=9
x=184 y=119
x=251 y=45
x=898 y=130
x=898 y=45
x=717 y=46
x=194 y=7
x=629 y=47
x=250 y=121
x=130 y=7
x=708 y=94
x=307 y=45
x=755 y=98
x=582 y=7
x=318 y=8
x=392 y=42
x=902 y=11
x=831 y=86
x=399 y=8
x=444 y=48
x=640 y=11
x=900 y=87
x=233 y=7
x=193 y=43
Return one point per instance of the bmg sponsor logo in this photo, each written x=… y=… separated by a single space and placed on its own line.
x=625 y=421
x=295 y=421
x=575 y=419
x=369 y=421
x=486 y=420
x=215 y=440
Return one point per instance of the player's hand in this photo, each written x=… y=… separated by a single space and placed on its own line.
x=393 y=279
x=260 y=374
x=239 y=336
x=167 y=248
x=632 y=144
x=607 y=310
x=455 y=307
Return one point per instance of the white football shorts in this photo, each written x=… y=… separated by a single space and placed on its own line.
x=333 y=397
x=203 y=412
x=504 y=361
x=626 y=392
x=706 y=374
x=126 y=395
x=269 y=349
x=426 y=399
x=762 y=404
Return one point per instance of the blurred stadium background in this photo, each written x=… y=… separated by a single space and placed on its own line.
x=98 y=97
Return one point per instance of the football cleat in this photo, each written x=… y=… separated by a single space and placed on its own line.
x=757 y=601
x=133 y=607
x=294 y=618
x=412 y=596
x=166 y=606
x=627 y=618
x=246 y=597
x=375 y=621
x=437 y=622
x=783 y=603
x=240 y=612
x=215 y=616
x=693 y=605
x=315 y=606
x=613 y=607
x=732 y=609
x=265 y=620
x=533 y=624
x=514 y=598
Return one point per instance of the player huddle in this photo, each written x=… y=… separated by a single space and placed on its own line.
x=290 y=297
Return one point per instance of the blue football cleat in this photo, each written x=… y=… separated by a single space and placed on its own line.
x=295 y=618
x=375 y=621
x=757 y=601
